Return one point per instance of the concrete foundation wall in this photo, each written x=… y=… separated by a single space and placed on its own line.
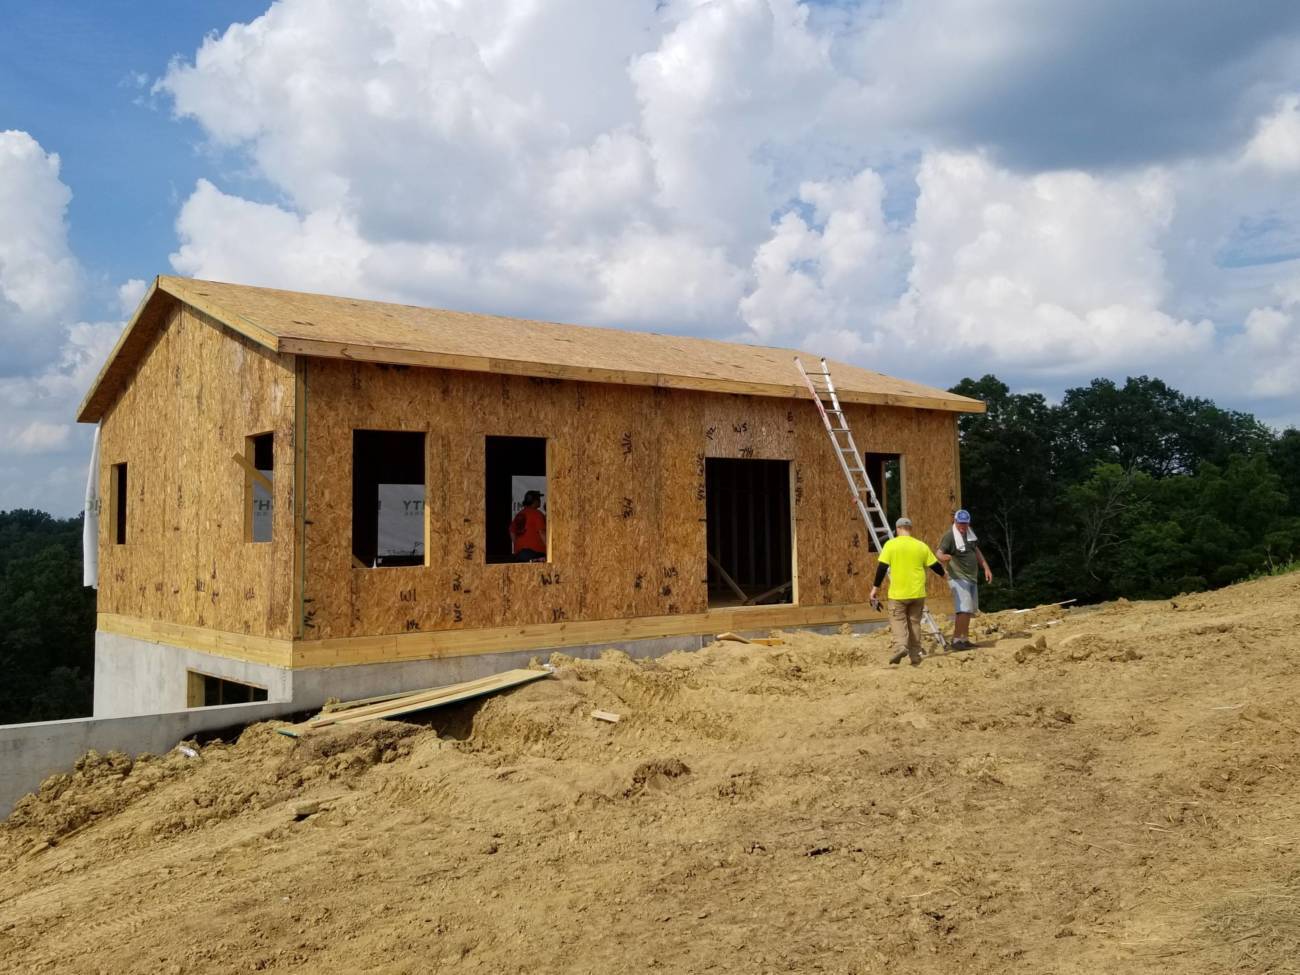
x=135 y=676
x=31 y=752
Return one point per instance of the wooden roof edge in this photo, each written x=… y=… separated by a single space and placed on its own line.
x=130 y=345
x=927 y=397
x=188 y=291
x=133 y=341
x=395 y=355
x=91 y=410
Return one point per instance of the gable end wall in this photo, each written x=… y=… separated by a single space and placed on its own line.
x=199 y=391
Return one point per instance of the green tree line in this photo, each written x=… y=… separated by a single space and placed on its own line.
x=1131 y=490
x=47 y=619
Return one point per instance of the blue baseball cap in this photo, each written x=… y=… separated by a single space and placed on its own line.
x=962 y=517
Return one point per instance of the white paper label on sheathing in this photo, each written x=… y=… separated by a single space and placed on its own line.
x=401 y=520
x=262 y=510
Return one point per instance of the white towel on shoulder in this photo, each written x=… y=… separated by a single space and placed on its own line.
x=959 y=539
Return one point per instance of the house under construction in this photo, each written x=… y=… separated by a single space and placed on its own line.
x=306 y=496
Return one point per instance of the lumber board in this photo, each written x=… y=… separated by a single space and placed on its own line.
x=252 y=471
x=238 y=646
x=363 y=701
x=730 y=637
x=756 y=600
x=420 y=701
x=448 y=694
x=731 y=583
x=299 y=489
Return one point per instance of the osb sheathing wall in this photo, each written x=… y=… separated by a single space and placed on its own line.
x=626 y=496
x=199 y=392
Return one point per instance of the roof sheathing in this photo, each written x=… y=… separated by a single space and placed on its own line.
x=344 y=328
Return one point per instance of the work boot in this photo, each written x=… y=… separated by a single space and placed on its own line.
x=898 y=657
x=914 y=657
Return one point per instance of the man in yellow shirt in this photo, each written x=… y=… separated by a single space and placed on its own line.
x=905 y=558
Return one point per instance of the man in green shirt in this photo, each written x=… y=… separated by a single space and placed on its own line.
x=905 y=558
x=959 y=551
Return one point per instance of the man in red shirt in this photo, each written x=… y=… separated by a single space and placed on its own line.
x=528 y=530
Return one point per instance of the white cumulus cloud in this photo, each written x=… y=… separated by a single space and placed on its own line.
x=933 y=190
x=129 y=294
x=825 y=275
x=1045 y=273
x=1276 y=143
x=48 y=359
x=39 y=277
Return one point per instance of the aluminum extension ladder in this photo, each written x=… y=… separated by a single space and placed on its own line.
x=822 y=388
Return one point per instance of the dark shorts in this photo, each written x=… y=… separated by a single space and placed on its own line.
x=530 y=555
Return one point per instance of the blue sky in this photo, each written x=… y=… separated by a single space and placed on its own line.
x=76 y=76
x=1048 y=191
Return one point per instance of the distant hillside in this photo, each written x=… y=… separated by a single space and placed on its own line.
x=47 y=619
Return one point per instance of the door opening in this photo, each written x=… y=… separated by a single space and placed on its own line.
x=750 y=539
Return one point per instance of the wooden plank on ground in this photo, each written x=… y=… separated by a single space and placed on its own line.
x=364 y=701
x=733 y=638
x=421 y=701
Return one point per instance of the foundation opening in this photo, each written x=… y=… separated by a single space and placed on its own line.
x=515 y=501
x=749 y=533
x=205 y=691
x=389 y=527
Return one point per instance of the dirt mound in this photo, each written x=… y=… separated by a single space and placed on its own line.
x=97 y=787
x=1101 y=789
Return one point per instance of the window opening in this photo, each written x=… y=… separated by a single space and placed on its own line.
x=886 y=473
x=388 y=498
x=259 y=451
x=748 y=531
x=514 y=502
x=117 y=485
x=205 y=691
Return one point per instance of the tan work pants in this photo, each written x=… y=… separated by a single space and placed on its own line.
x=905 y=625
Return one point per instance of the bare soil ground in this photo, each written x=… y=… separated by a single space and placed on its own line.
x=1107 y=790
